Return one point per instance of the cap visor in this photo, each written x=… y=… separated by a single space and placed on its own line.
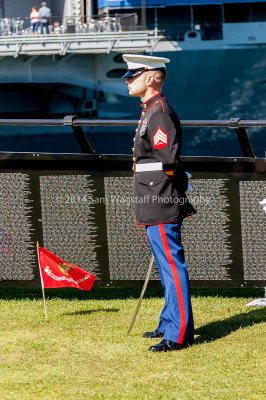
x=131 y=73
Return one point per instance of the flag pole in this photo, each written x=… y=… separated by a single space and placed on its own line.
x=141 y=295
x=43 y=295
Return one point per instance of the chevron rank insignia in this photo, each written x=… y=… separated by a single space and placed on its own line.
x=160 y=139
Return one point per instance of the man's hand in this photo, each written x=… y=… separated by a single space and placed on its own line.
x=263 y=203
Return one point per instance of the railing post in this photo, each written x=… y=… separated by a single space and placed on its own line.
x=79 y=134
x=242 y=137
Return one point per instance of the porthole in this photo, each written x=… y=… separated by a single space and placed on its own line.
x=118 y=58
x=116 y=73
x=192 y=34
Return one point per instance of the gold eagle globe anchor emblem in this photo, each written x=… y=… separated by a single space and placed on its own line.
x=64 y=268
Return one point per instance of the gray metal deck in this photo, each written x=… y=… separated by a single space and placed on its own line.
x=89 y=43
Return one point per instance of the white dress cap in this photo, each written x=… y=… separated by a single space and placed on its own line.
x=137 y=63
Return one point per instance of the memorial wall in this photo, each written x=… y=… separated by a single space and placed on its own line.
x=81 y=209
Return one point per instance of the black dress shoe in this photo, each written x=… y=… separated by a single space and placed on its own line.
x=153 y=335
x=166 y=345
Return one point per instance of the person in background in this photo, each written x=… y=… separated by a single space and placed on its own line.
x=45 y=15
x=35 y=20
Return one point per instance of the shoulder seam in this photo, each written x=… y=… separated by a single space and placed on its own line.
x=162 y=107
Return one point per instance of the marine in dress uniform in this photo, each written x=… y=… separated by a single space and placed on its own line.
x=160 y=201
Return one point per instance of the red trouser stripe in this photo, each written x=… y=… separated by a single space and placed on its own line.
x=177 y=283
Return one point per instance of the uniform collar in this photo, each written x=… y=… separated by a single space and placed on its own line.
x=151 y=100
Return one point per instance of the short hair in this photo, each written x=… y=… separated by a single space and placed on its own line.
x=159 y=76
x=44 y=3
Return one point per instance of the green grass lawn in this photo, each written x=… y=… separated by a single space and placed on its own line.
x=82 y=351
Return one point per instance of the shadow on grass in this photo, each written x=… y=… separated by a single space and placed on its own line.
x=206 y=333
x=86 y=312
x=104 y=293
x=219 y=329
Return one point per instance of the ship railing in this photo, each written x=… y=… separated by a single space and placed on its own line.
x=109 y=24
x=78 y=24
x=105 y=23
x=237 y=124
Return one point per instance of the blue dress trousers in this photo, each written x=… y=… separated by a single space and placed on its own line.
x=176 y=319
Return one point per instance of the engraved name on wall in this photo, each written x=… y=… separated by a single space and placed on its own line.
x=128 y=245
x=206 y=236
x=68 y=220
x=253 y=229
x=16 y=247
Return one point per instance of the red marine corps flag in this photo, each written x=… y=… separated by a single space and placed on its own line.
x=56 y=273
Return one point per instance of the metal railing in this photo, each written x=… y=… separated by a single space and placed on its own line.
x=103 y=23
x=71 y=24
x=237 y=124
